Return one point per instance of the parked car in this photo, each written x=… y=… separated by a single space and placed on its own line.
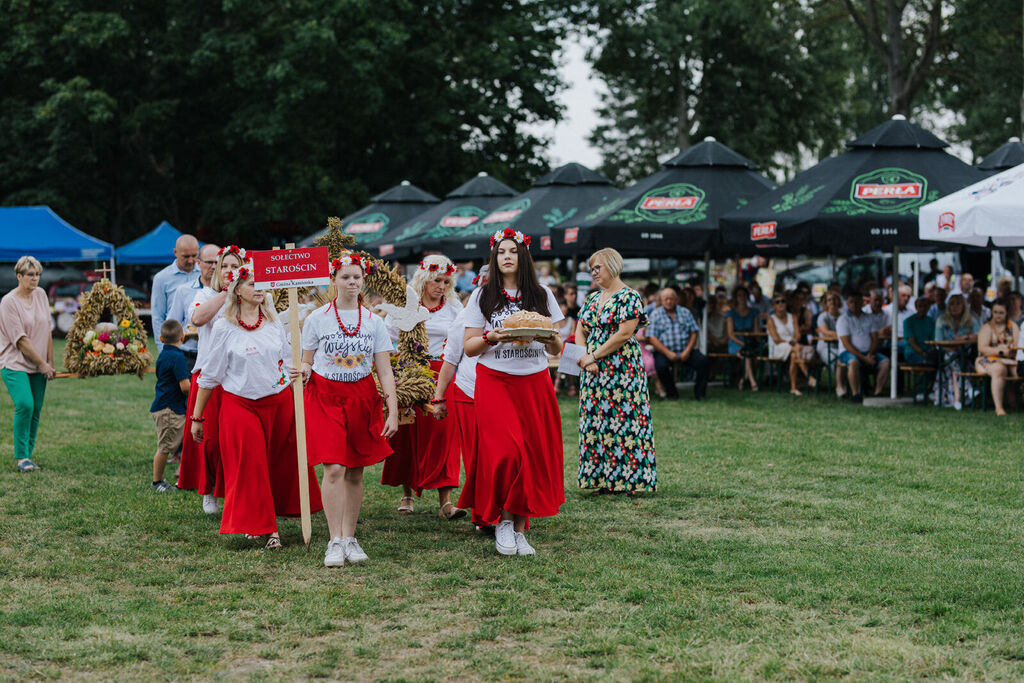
x=52 y=272
x=65 y=298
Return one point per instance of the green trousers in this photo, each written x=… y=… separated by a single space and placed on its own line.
x=27 y=391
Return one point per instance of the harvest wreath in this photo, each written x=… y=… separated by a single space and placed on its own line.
x=119 y=348
x=414 y=380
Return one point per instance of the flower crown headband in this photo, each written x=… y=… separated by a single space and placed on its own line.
x=238 y=274
x=349 y=259
x=233 y=249
x=510 y=234
x=436 y=268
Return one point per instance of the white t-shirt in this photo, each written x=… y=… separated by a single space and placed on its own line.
x=205 y=331
x=858 y=329
x=508 y=357
x=247 y=364
x=340 y=357
x=455 y=353
x=437 y=326
x=901 y=316
x=877 y=320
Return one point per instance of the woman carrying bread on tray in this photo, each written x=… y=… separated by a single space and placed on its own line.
x=426 y=452
x=517 y=471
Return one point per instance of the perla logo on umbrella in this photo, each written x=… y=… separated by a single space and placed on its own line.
x=365 y=225
x=677 y=203
x=458 y=218
x=888 y=190
x=763 y=231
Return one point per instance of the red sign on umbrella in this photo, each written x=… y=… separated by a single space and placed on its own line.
x=282 y=268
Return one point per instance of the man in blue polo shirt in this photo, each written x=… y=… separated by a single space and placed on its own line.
x=165 y=283
x=673 y=333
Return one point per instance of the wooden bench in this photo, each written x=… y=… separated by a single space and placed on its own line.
x=983 y=378
x=920 y=372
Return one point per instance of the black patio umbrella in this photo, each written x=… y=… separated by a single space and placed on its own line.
x=559 y=196
x=1008 y=155
x=864 y=199
x=389 y=208
x=672 y=212
x=461 y=207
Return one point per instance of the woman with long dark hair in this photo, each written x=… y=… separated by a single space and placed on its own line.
x=517 y=472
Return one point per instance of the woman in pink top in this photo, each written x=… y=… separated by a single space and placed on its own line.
x=26 y=355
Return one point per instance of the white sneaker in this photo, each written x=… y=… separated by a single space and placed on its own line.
x=505 y=538
x=958 y=405
x=353 y=553
x=210 y=506
x=335 y=555
x=522 y=547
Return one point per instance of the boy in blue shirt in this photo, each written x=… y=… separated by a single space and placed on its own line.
x=168 y=409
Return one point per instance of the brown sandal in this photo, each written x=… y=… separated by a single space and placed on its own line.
x=405 y=505
x=449 y=512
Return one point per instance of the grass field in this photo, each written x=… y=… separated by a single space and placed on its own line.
x=789 y=538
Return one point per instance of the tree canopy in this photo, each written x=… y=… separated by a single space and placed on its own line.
x=238 y=116
x=234 y=119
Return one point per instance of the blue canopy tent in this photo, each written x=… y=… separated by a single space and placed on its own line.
x=38 y=231
x=155 y=246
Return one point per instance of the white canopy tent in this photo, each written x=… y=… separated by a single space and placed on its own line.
x=987 y=213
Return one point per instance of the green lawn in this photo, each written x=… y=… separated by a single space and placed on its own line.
x=789 y=538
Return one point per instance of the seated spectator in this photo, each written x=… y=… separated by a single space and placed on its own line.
x=976 y=305
x=673 y=334
x=759 y=302
x=996 y=356
x=783 y=343
x=805 y=320
x=955 y=324
x=963 y=285
x=876 y=316
x=1014 y=303
x=717 y=337
x=804 y=288
x=571 y=300
x=938 y=299
x=859 y=347
x=743 y=318
x=828 y=341
x=902 y=313
x=945 y=280
x=918 y=330
x=647 y=353
x=1004 y=287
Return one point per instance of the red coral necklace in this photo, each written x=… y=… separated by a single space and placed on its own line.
x=342 y=325
x=259 y=321
x=512 y=299
x=436 y=308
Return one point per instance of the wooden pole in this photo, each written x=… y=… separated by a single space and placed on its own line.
x=300 y=414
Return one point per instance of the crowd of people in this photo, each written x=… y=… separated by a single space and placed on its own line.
x=493 y=425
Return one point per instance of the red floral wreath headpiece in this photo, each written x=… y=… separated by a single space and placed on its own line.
x=510 y=234
x=436 y=268
x=233 y=249
x=238 y=274
x=347 y=259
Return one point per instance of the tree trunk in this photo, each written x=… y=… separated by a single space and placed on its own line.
x=898 y=103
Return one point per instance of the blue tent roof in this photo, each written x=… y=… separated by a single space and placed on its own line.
x=156 y=246
x=39 y=232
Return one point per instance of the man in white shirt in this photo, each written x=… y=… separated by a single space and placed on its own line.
x=859 y=346
x=905 y=310
x=183 y=271
x=962 y=286
x=880 y=322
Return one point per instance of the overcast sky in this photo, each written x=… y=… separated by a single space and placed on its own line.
x=581 y=102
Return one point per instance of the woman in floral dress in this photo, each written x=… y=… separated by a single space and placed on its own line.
x=616 y=435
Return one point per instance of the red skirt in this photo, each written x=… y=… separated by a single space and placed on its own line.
x=261 y=477
x=518 y=465
x=426 y=452
x=201 y=469
x=464 y=411
x=344 y=421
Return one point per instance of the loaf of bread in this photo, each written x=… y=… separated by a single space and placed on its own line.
x=527 y=319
